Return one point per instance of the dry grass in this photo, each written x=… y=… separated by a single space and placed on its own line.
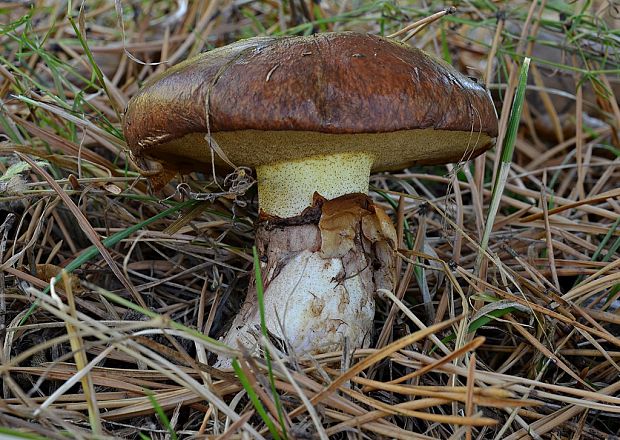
x=518 y=339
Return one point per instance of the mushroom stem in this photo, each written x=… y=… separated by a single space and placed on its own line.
x=320 y=272
x=285 y=189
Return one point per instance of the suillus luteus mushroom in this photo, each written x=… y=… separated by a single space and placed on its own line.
x=314 y=115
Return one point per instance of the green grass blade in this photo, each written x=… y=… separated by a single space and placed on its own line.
x=506 y=159
x=91 y=59
x=488 y=317
x=161 y=414
x=260 y=291
x=7 y=433
x=260 y=295
x=260 y=409
x=612 y=250
x=515 y=113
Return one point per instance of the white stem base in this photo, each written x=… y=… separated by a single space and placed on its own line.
x=319 y=279
x=309 y=309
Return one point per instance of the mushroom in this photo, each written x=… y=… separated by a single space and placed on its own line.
x=314 y=115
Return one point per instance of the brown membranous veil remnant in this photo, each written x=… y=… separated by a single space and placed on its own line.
x=314 y=116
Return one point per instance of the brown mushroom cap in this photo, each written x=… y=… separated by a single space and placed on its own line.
x=274 y=99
